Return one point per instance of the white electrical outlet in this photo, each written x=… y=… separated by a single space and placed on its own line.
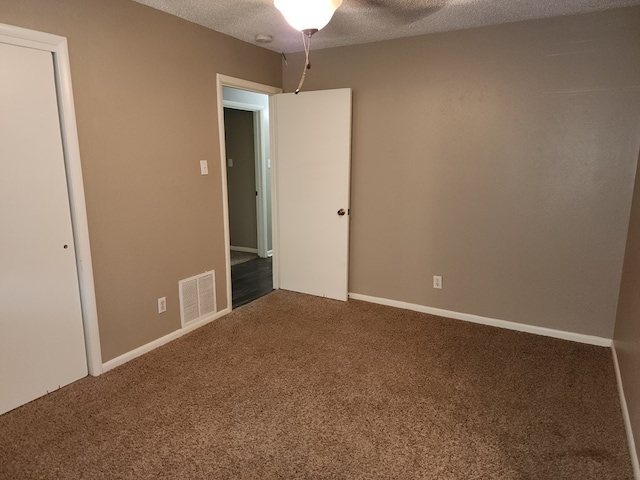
x=204 y=167
x=437 y=281
x=162 y=305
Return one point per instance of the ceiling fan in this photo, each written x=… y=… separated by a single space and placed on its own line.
x=311 y=16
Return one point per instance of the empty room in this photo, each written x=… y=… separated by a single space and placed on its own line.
x=447 y=203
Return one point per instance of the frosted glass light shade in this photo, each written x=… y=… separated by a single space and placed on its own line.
x=307 y=14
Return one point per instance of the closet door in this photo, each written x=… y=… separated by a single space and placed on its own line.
x=41 y=334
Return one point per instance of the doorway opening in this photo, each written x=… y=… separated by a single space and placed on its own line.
x=310 y=187
x=248 y=175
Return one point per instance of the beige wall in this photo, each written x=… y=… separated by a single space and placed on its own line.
x=627 y=332
x=145 y=94
x=501 y=158
x=241 y=178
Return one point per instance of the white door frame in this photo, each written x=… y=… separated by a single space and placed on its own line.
x=58 y=47
x=227 y=81
x=260 y=157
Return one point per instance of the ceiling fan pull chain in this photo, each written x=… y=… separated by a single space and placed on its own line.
x=306 y=40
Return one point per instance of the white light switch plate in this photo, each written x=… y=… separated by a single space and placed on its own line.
x=230 y=162
x=204 y=168
x=162 y=305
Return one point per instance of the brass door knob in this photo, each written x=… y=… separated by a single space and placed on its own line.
x=341 y=212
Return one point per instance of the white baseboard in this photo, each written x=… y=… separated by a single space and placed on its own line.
x=124 y=358
x=625 y=416
x=243 y=249
x=467 y=317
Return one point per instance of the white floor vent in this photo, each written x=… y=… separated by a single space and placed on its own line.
x=197 y=297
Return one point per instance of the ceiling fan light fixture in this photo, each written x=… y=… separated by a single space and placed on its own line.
x=308 y=14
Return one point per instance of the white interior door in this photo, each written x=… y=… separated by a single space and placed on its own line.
x=312 y=134
x=41 y=335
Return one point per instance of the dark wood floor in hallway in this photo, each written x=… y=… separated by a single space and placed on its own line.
x=251 y=280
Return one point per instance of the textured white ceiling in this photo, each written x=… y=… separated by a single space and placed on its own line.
x=363 y=21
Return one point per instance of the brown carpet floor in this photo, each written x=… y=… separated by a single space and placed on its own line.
x=297 y=387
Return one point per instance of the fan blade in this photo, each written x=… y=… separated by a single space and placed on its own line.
x=400 y=11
